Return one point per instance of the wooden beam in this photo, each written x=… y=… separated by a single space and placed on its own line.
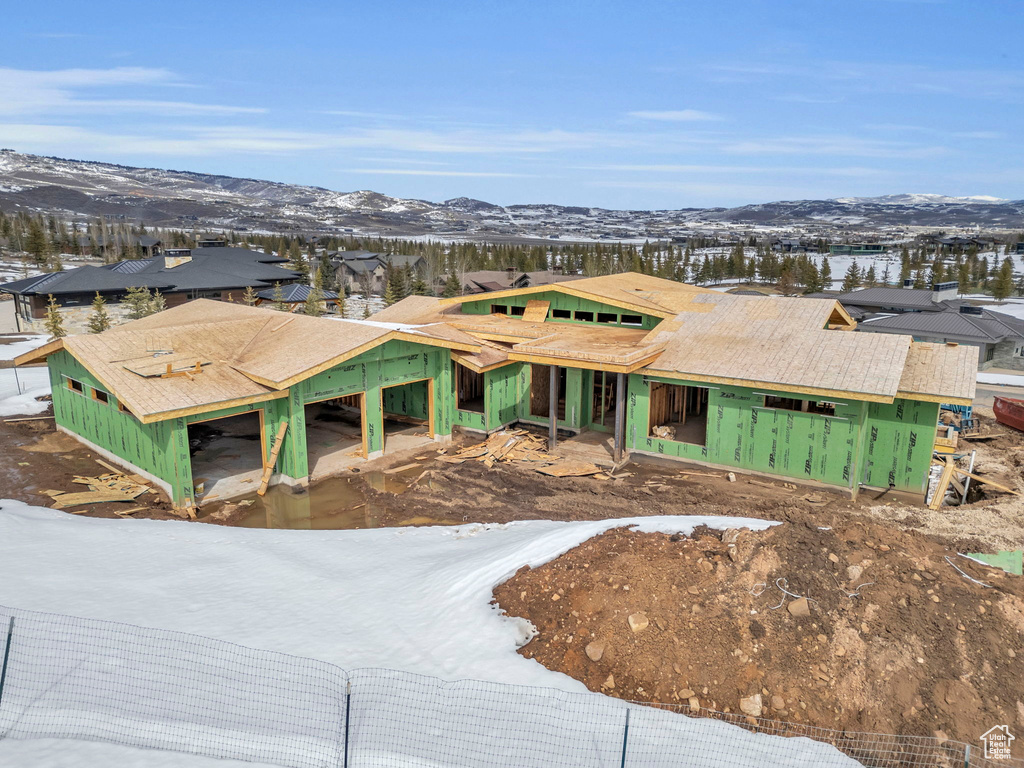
x=940 y=489
x=268 y=468
x=620 y=417
x=552 y=407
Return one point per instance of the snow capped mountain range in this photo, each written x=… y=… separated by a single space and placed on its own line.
x=166 y=198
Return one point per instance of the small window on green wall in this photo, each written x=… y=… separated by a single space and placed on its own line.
x=607 y=317
x=499 y=309
x=585 y=317
x=632 y=320
x=100 y=396
x=75 y=386
x=561 y=314
x=517 y=311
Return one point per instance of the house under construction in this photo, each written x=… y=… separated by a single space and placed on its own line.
x=765 y=384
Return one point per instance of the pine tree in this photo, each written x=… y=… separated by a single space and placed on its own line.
x=420 y=288
x=157 y=303
x=139 y=303
x=452 y=287
x=919 y=281
x=826 y=274
x=37 y=243
x=787 y=285
x=1003 y=285
x=869 y=277
x=99 y=320
x=297 y=262
x=314 y=306
x=54 y=320
x=389 y=294
x=851 y=280
x=278 y=298
x=249 y=298
x=366 y=308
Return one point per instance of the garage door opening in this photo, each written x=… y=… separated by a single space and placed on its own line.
x=540 y=391
x=679 y=413
x=334 y=435
x=227 y=455
x=408 y=411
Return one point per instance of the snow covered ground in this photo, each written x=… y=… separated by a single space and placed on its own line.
x=19 y=389
x=23 y=342
x=1005 y=379
x=413 y=599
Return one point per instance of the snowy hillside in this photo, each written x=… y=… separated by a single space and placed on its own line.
x=77 y=188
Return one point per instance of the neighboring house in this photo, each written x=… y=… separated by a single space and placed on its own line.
x=937 y=315
x=144 y=244
x=789 y=245
x=663 y=368
x=294 y=296
x=1018 y=248
x=485 y=281
x=180 y=274
x=858 y=249
x=354 y=268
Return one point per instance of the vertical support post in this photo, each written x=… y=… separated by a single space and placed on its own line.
x=7 y=655
x=625 y=734
x=348 y=710
x=620 y=416
x=967 y=756
x=553 y=407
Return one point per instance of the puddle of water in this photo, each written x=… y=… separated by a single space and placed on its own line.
x=336 y=503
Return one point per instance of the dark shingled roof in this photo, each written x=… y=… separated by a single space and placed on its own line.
x=209 y=269
x=951 y=324
x=293 y=293
x=889 y=297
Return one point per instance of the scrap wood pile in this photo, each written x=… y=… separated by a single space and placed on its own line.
x=112 y=486
x=525 y=449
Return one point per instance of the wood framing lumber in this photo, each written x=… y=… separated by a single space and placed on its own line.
x=89 y=497
x=980 y=479
x=940 y=489
x=268 y=468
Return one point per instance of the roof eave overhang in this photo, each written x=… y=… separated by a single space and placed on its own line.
x=193 y=410
x=560 y=288
x=831 y=394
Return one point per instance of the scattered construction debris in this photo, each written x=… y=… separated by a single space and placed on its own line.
x=521 y=447
x=108 y=487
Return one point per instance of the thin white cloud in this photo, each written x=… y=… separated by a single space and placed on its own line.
x=853 y=172
x=61 y=92
x=426 y=172
x=838 y=146
x=676 y=115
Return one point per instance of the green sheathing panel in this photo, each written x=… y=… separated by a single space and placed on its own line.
x=160 y=448
x=742 y=433
x=898 y=444
x=471 y=420
x=407 y=400
x=574 y=397
x=393 y=363
x=561 y=301
x=501 y=395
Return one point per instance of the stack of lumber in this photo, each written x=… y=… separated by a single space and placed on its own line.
x=113 y=486
x=520 y=447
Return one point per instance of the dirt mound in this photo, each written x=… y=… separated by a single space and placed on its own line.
x=890 y=639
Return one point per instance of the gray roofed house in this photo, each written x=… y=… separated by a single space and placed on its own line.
x=180 y=274
x=937 y=315
x=485 y=281
x=295 y=295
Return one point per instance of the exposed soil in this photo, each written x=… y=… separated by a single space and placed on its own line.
x=895 y=640
x=36 y=457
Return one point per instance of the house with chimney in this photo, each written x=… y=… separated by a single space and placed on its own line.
x=179 y=274
x=938 y=316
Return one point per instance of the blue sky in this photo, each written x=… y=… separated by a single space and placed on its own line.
x=624 y=104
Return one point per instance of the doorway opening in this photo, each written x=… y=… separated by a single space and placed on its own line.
x=679 y=413
x=540 y=391
x=469 y=389
x=408 y=411
x=335 y=431
x=227 y=455
x=603 y=398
